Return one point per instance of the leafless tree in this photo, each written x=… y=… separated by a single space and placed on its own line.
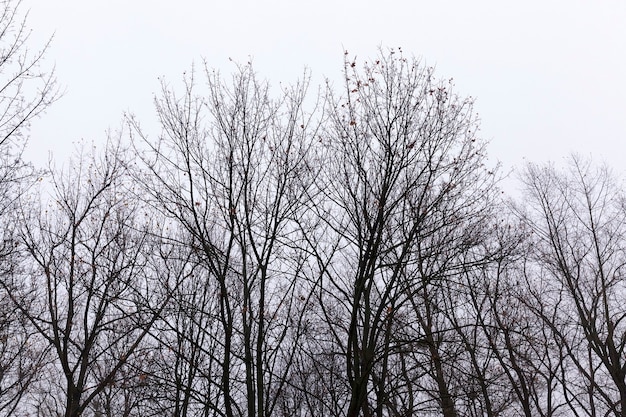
x=90 y=275
x=574 y=273
x=228 y=169
x=514 y=363
x=26 y=90
x=403 y=197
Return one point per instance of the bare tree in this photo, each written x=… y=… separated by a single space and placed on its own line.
x=25 y=92
x=575 y=273
x=26 y=89
x=91 y=278
x=228 y=169
x=403 y=197
x=514 y=364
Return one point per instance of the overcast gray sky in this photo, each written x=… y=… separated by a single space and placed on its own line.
x=549 y=76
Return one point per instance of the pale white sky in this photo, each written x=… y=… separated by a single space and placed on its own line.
x=549 y=76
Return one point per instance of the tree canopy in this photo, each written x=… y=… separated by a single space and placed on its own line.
x=349 y=253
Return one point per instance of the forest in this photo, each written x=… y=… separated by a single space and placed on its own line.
x=348 y=251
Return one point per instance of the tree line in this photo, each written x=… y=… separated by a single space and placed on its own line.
x=266 y=253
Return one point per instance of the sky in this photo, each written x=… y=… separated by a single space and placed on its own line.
x=549 y=77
